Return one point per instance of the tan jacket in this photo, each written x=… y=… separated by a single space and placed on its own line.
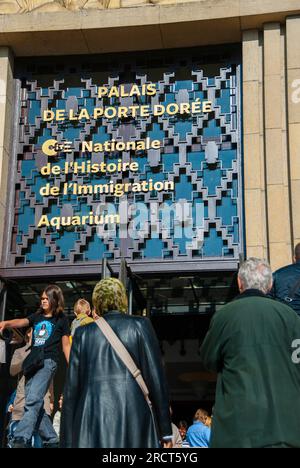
x=16 y=369
x=177 y=440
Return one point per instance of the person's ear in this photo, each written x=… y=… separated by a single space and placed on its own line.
x=270 y=285
x=240 y=284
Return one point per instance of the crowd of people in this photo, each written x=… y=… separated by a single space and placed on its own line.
x=116 y=380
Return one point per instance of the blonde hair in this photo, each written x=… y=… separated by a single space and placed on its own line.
x=82 y=307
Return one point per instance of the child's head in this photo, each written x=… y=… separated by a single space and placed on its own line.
x=182 y=427
x=82 y=307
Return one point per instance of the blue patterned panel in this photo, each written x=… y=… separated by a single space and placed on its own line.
x=227 y=210
x=212 y=130
x=96 y=248
x=224 y=101
x=186 y=85
x=200 y=154
x=25 y=217
x=169 y=160
x=37 y=252
x=156 y=133
x=213 y=243
x=34 y=110
x=65 y=241
x=154 y=248
x=196 y=159
x=227 y=157
x=184 y=189
x=212 y=179
x=182 y=128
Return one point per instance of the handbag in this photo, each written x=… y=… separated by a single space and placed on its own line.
x=33 y=362
x=125 y=357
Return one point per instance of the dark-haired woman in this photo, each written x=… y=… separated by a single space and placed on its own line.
x=50 y=328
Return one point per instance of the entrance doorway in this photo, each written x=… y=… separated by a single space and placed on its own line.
x=180 y=309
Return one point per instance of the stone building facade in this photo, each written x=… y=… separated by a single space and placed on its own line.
x=258 y=156
x=269 y=34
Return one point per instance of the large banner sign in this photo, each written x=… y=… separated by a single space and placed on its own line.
x=135 y=156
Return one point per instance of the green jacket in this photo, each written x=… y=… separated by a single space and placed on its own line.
x=250 y=343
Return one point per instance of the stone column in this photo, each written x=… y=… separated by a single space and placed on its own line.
x=293 y=78
x=277 y=184
x=6 y=103
x=254 y=172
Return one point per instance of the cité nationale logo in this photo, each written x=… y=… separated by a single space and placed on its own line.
x=52 y=147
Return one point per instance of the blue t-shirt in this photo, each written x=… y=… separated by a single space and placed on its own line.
x=198 y=435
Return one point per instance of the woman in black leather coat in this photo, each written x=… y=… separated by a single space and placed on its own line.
x=103 y=405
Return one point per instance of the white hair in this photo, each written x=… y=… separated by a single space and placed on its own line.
x=256 y=273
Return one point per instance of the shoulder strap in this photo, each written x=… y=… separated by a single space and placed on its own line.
x=123 y=354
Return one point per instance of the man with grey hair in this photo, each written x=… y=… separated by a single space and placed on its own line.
x=255 y=274
x=250 y=345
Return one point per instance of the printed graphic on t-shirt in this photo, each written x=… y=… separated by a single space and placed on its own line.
x=42 y=332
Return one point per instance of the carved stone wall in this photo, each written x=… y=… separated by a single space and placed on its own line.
x=27 y=6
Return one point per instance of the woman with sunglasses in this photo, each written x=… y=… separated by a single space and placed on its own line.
x=50 y=328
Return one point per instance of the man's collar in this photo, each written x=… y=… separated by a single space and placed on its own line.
x=250 y=293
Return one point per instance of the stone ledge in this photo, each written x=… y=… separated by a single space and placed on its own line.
x=144 y=27
x=202 y=10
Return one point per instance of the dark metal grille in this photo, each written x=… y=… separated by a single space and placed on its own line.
x=201 y=154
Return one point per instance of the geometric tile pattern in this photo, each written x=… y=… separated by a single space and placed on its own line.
x=201 y=154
